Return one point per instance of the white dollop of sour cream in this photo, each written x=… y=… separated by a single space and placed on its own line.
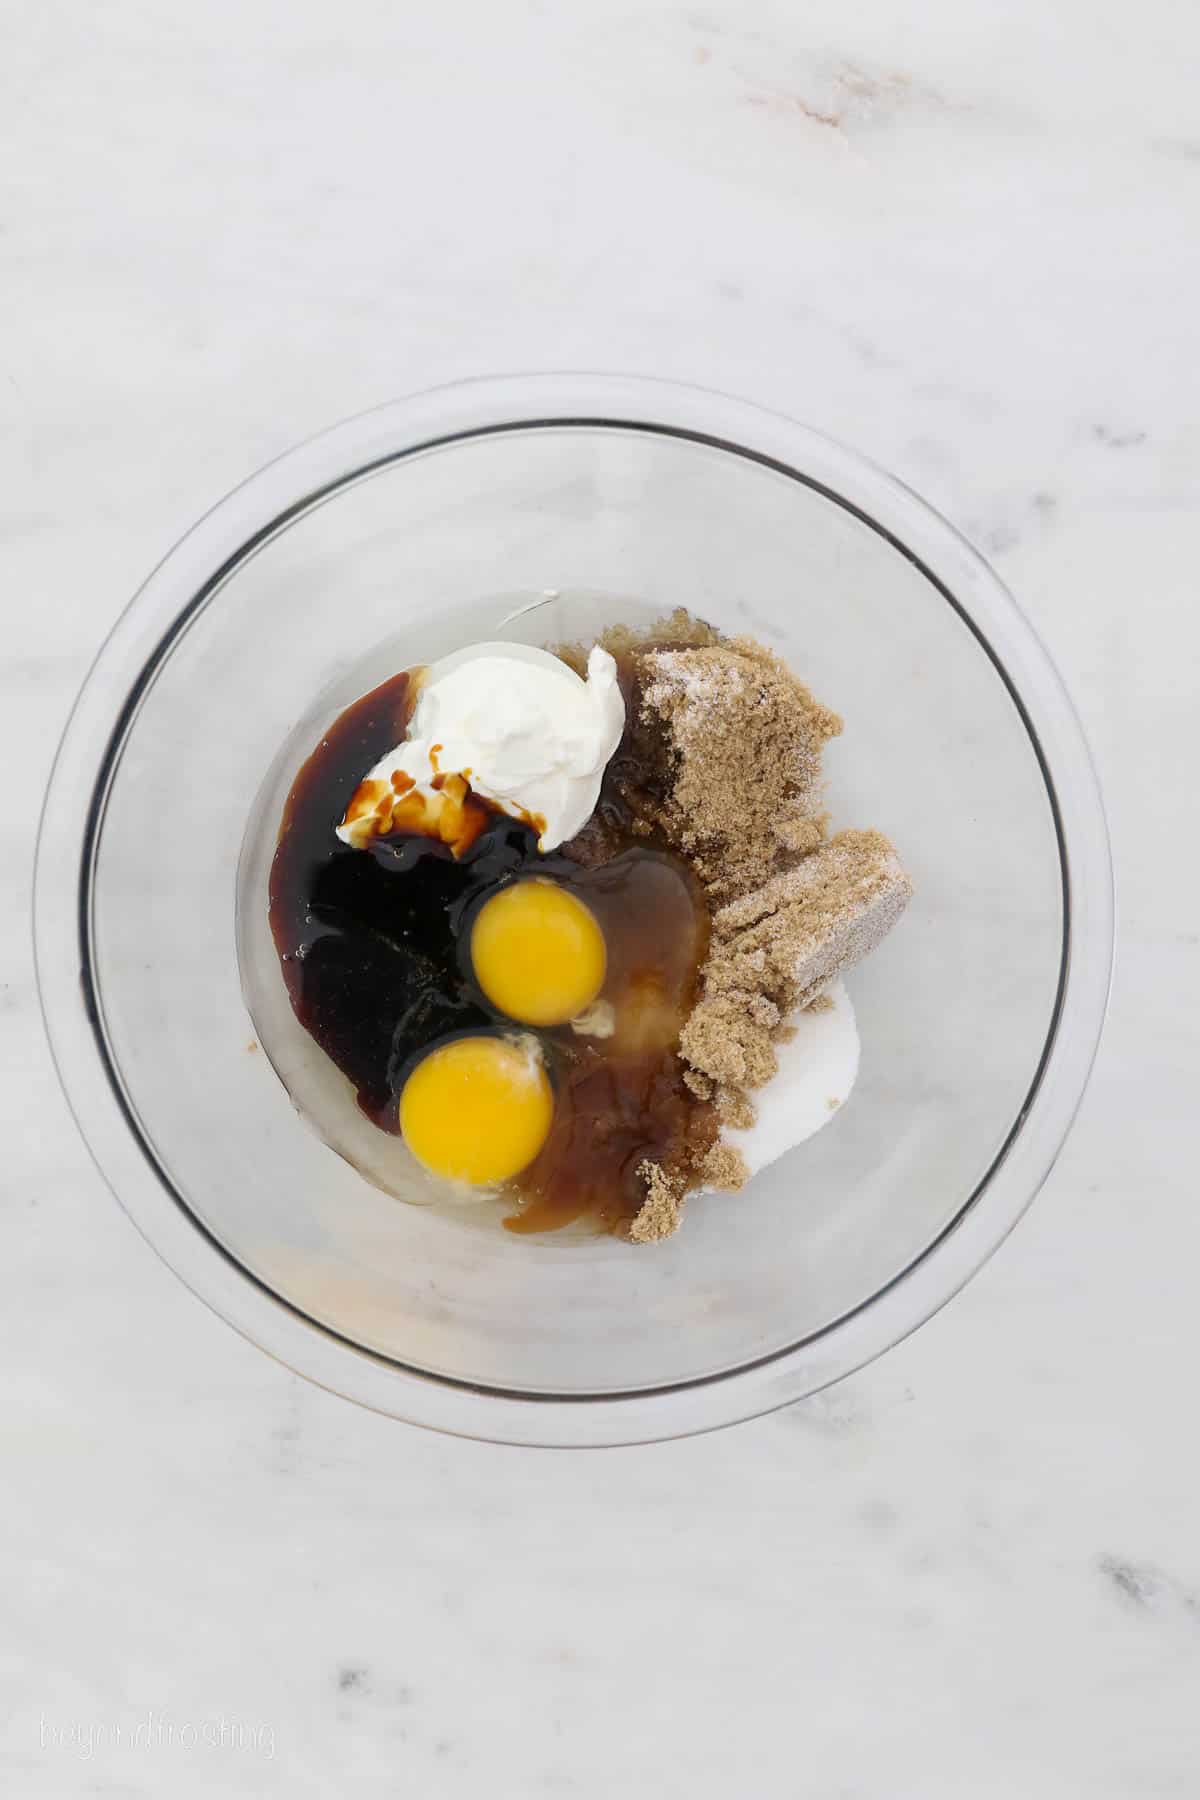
x=523 y=729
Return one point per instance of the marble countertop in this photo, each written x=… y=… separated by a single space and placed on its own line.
x=962 y=238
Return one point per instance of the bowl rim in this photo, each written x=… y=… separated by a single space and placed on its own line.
x=174 y=595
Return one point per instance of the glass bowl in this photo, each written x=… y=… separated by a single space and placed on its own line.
x=538 y=508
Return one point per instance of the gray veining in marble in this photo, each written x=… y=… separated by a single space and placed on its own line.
x=962 y=238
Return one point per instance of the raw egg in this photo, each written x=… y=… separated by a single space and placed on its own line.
x=538 y=952
x=477 y=1109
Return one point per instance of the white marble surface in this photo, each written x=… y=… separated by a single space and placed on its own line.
x=963 y=238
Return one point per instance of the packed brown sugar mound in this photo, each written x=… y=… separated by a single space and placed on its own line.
x=778 y=948
x=739 y=740
x=745 y=739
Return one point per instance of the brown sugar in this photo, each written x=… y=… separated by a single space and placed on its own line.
x=777 y=949
x=659 y=1216
x=805 y=927
x=722 y=762
x=745 y=740
x=625 y=642
x=725 y=1168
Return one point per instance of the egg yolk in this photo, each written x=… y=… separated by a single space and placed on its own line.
x=538 y=953
x=477 y=1109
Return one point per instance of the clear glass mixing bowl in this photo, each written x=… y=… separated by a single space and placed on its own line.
x=396 y=537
